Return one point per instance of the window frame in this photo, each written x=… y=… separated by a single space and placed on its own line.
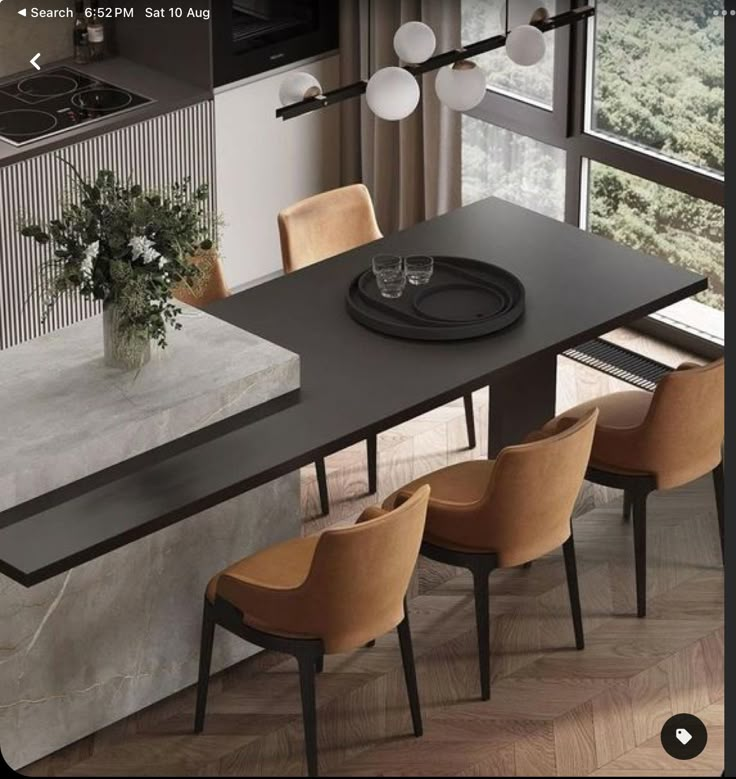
x=565 y=126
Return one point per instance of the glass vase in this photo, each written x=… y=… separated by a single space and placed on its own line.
x=125 y=350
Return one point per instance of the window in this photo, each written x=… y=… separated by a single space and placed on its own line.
x=484 y=19
x=513 y=167
x=660 y=221
x=620 y=130
x=658 y=77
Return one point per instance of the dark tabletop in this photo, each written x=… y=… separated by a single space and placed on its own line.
x=354 y=381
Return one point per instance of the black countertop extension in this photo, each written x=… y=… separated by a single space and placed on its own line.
x=169 y=94
x=354 y=382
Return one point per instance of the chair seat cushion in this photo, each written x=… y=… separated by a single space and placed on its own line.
x=456 y=492
x=621 y=414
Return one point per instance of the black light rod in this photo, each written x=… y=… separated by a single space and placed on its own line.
x=434 y=63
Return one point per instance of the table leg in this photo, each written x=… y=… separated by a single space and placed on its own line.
x=522 y=399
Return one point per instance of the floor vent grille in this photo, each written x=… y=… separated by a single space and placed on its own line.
x=622 y=363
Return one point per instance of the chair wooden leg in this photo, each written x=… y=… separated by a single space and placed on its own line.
x=410 y=675
x=718 y=485
x=470 y=420
x=571 y=570
x=640 y=552
x=627 y=506
x=483 y=626
x=309 y=710
x=372 y=445
x=324 y=495
x=205 y=661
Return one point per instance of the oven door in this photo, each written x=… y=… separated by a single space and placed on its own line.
x=253 y=36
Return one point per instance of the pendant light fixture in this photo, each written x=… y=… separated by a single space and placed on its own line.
x=414 y=42
x=297 y=87
x=461 y=86
x=393 y=93
x=525 y=45
x=524 y=40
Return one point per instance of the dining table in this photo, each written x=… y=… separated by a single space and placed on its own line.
x=356 y=382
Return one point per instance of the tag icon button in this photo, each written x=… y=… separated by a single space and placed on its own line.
x=683 y=736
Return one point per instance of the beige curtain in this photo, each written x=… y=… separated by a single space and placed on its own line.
x=413 y=167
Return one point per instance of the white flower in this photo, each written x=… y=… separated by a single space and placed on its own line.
x=88 y=262
x=162 y=261
x=150 y=256
x=143 y=248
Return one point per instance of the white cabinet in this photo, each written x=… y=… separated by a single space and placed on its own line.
x=265 y=164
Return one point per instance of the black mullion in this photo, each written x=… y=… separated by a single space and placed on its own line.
x=648 y=166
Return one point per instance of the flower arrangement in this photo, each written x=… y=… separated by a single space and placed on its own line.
x=128 y=248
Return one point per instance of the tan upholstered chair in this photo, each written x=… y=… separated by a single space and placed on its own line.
x=324 y=594
x=209 y=286
x=324 y=226
x=489 y=514
x=646 y=442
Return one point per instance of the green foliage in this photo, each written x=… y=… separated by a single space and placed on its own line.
x=660 y=221
x=659 y=76
x=658 y=84
x=122 y=245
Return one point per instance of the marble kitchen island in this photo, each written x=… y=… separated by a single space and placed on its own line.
x=96 y=642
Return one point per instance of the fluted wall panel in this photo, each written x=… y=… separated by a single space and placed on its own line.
x=154 y=153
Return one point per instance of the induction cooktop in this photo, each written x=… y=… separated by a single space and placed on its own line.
x=58 y=100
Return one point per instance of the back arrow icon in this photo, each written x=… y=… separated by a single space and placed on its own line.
x=34 y=63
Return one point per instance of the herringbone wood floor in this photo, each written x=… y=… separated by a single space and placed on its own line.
x=554 y=711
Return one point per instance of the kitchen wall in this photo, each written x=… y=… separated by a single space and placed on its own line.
x=265 y=164
x=22 y=37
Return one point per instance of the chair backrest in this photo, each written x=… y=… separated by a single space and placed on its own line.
x=326 y=225
x=681 y=437
x=209 y=286
x=359 y=576
x=532 y=492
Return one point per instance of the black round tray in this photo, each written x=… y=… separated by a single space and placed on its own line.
x=464 y=299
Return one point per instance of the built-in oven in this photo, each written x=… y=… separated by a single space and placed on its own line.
x=253 y=36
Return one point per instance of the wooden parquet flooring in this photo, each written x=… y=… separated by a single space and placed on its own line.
x=553 y=711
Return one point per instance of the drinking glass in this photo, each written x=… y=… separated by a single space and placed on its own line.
x=390 y=275
x=419 y=269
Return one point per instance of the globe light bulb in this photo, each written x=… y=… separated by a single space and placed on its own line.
x=522 y=12
x=414 y=42
x=392 y=94
x=297 y=87
x=461 y=86
x=525 y=45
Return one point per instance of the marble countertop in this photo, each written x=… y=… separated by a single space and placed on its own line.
x=66 y=415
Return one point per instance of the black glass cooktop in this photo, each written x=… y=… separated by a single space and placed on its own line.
x=56 y=100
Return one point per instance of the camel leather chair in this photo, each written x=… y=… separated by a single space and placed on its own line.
x=657 y=441
x=324 y=594
x=324 y=226
x=487 y=514
x=209 y=286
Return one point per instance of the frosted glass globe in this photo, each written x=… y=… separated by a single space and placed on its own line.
x=392 y=94
x=414 y=42
x=298 y=86
x=522 y=12
x=525 y=45
x=461 y=86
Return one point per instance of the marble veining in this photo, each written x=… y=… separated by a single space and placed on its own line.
x=66 y=415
